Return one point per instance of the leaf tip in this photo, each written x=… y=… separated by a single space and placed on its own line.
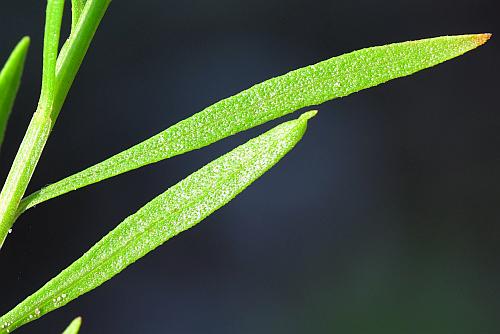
x=25 y=41
x=74 y=326
x=76 y=323
x=23 y=46
x=481 y=39
x=308 y=115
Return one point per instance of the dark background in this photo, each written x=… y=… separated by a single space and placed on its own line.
x=384 y=219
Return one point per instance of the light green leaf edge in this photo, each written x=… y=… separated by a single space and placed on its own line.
x=74 y=326
x=176 y=210
x=10 y=80
x=308 y=86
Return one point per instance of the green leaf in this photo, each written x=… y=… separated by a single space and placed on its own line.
x=312 y=85
x=176 y=210
x=74 y=327
x=10 y=79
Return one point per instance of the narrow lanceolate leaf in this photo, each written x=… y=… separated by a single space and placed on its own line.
x=74 y=327
x=176 y=210
x=312 y=85
x=10 y=79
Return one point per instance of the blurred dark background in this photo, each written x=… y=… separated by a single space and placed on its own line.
x=384 y=219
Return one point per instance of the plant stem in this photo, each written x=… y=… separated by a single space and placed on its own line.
x=22 y=169
x=50 y=50
x=58 y=75
x=39 y=128
x=75 y=48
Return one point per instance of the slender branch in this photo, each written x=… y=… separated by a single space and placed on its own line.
x=57 y=77
x=39 y=128
x=50 y=50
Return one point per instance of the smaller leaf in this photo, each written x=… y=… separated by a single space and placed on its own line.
x=10 y=79
x=74 y=327
x=176 y=210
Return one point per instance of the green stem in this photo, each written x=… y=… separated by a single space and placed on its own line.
x=75 y=48
x=39 y=128
x=50 y=50
x=22 y=169
x=58 y=75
